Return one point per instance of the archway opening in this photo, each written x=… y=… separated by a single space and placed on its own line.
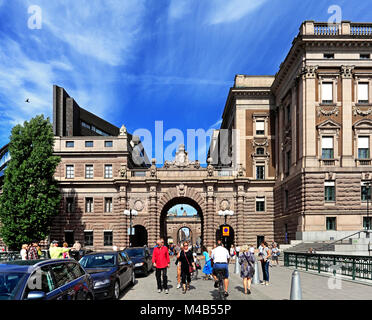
x=226 y=234
x=140 y=238
x=181 y=218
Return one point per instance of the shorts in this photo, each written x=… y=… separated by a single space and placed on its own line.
x=221 y=266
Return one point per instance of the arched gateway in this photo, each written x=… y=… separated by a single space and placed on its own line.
x=151 y=192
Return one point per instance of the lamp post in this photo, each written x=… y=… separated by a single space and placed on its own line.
x=130 y=213
x=225 y=213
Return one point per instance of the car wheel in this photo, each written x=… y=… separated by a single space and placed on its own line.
x=133 y=279
x=116 y=290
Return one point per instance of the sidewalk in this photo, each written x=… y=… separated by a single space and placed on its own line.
x=314 y=287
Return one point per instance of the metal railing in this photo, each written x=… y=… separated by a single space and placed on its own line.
x=355 y=267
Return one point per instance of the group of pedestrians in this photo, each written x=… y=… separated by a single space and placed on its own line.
x=31 y=251
x=216 y=261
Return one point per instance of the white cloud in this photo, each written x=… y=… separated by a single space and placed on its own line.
x=178 y=8
x=106 y=31
x=229 y=11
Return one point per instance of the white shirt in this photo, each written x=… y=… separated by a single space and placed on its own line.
x=220 y=254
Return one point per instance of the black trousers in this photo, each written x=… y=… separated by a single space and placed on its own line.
x=185 y=276
x=159 y=273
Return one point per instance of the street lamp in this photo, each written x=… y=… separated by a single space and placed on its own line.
x=225 y=213
x=130 y=213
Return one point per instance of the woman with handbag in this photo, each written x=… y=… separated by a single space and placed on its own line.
x=187 y=266
x=247 y=260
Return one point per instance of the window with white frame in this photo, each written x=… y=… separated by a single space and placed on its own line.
x=329 y=191
x=108 y=171
x=260 y=204
x=88 y=204
x=108 y=204
x=70 y=172
x=363 y=147
x=327 y=148
x=89 y=171
x=327 y=92
x=260 y=127
x=260 y=171
x=363 y=92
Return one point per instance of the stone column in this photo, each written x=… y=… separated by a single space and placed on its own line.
x=240 y=236
x=154 y=219
x=347 y=117
x=309 y=74
x=208 y=227
x=294 y=124
x=124 y=221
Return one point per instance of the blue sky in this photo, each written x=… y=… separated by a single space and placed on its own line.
x=135 y=62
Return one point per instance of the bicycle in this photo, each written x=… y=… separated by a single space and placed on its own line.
x=220 y=274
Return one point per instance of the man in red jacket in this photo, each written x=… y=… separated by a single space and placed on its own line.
x=161 y=261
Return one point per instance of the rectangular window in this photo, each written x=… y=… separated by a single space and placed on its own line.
x=331 y=223
x=108 y=204
x=367 y=223
x=260 y=172
x=69 y=205
x=108 y=144
x=88 y=204
x=85 y=125
x=260 y=204
x=70 y=172
x=329 y=56
x=363 y=92
x=288 y=161
x=327 y=148
x=107 y=238
x=286 y=197
x=89 y=171
x=108 y=171
x=329 y=191
x=365 y=191
x=363 y=147
x=70 y=144
x=260 y=127
x=365 y=56
x=327 y=92
x=88 y=144
x=88 y=238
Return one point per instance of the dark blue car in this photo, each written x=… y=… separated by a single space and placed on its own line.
x=111 y=272
x=62 y=279
x=141 y=258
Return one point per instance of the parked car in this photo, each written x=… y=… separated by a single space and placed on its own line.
x=141 y=258
x=111 y=272
x=62 y=279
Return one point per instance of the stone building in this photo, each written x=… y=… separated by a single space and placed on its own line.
x=298 y=141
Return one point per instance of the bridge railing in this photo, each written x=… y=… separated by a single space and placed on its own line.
x=355 y=267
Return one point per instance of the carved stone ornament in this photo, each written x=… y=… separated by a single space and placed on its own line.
x=181 y=159
x=138 y=205
x=181 y=190
x=358 y=111
x=241 y=170
x=123 y=130
x=324 y=112
x=123 y=170
x=309 y=71
x=260 y=143
x=347 y=71
x=153 y=169
x=225 y=204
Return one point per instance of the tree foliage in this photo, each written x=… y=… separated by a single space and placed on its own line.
x=30 y=196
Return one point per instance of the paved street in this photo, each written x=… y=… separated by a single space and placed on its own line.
x=314 y=287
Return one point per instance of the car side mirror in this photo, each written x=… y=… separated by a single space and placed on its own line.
x=36 y=295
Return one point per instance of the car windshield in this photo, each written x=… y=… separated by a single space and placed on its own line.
x=98 y=261
x=135 y=252
x=10 y=283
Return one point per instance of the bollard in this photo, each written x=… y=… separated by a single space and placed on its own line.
x=256 y=276
x=237 y=265
x=296 y=291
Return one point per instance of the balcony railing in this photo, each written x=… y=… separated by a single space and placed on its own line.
x=325 y=29
x=364 y=29
x=332 y=29
x=363 y=162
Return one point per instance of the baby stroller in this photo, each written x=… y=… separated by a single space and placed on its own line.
x=197 y=265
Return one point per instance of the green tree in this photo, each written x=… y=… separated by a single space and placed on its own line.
x=30 y=196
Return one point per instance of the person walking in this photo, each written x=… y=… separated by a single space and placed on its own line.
x=265 y=261
x=221 y=257
x=247 y=260
x=161 y=261
x=32 y=251
x=56 y=252
x=178 y=264
x=24 y=251
x=187 y=266
x=65 y=255
x=207 y=269
x=232 y=253
x=275 y=252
